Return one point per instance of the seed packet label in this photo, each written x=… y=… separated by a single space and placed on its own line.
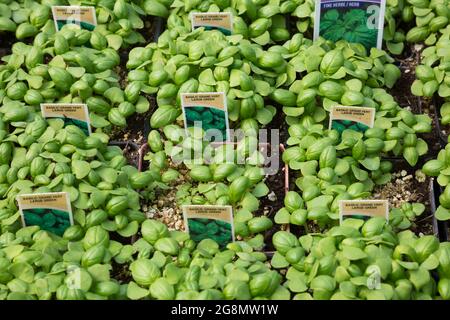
x=50 y=211
x=354 y=21
x=363 y=209
x=71 y=113
x=206 y=110
x=222 y=21
x=85 y=17
x=354 y=118
x=209 y=222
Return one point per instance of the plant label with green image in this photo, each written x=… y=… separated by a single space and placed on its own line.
x=209 y=222
x=363 y=209
x=71 y=113
x=222 y=21
x=355 y=118
x=50 y=211
x=354 y=21
x=85 y=17
x=206 y=110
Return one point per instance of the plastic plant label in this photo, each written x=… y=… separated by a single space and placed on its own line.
x=50 y=211
x=72 y=113
x=363 y=209
x=354 y=21
x=208 y=111
x=355 y=118
x=209 y=222
x=85 y=17
x=222 y=21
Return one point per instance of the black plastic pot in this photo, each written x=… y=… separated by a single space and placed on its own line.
x=159 y=24
x=438 y=102
x=442 y=226
x=153 y=106
x=284 y=174
x=432 y=196
x=400 y=164
x=437 y=226
x=142 y=152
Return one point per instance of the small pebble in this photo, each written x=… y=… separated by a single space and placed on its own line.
x=179 y=225
x=418 y=47
x=272 y=196
x=401 y=190
x=420 y=176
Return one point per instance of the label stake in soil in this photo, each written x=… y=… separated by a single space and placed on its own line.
x=362 y=21
x=208 y=111
x=50 y=211
x=76 y=114
x=209 y=222
x=222 y=21
x=355 y=118
x=363 y=209
x=85 y=17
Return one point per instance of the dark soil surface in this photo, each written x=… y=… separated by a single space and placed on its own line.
x=132 y=155
x=117 y=237
x=402 y=90
x=131 y=151
x=270 y=204
x=278 y=183
x=121 y=272
x=7 y=39
x=407 y=187
x=138 y=124
x=407 y=63
x=153 y=27
x=291 y=23
x=419 y=105
x=134 y=131
x=4 y=52
x=437 y=139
